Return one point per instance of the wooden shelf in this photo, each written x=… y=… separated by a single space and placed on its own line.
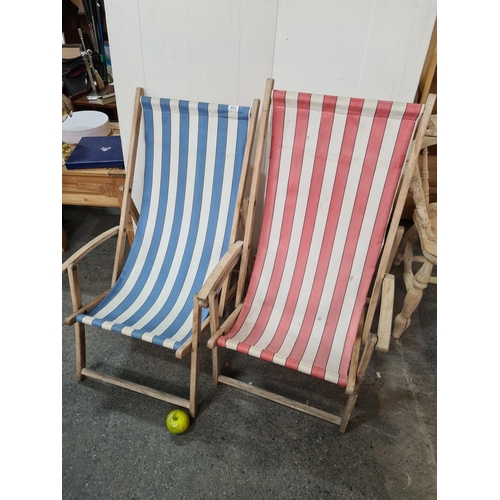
x=81 y=103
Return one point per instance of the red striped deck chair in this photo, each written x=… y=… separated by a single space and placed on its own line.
x=334 y=170
x=196 y=162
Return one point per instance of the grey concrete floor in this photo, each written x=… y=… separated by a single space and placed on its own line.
x=115 y=444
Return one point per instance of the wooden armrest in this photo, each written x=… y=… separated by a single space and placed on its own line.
x=71 y=319
x=386 y=310
x=220 y=272
x=77 y=256
x=225 y=327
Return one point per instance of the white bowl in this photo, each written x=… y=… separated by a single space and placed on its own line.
x=85 y=124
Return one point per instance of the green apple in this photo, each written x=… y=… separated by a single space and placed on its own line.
x=177 y=421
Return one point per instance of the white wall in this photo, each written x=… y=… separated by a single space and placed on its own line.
x=223 y=50
x=356 y=48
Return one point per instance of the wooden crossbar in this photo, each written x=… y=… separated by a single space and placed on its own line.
x=310 y=410
x=132 y=386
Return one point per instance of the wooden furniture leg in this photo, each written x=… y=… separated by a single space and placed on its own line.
x=413 y=297
x=76 y=299
x=363 y=365
x=213 y=304
x=195 y=358
x=410 y=237
x=64 y=240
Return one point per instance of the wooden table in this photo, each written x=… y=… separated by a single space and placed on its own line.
x=81 y=103
x=93 y=187
x=97 y=187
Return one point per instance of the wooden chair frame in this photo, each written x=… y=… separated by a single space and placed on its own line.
x=383 y=286
x=70 y=267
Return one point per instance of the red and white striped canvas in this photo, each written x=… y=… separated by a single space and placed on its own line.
x=334 y=168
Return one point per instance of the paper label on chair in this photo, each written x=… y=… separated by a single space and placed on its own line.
x=233 y=107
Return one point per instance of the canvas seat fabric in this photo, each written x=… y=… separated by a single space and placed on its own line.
x=193 y=161
x=334 y=168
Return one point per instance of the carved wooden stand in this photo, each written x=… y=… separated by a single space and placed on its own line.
x=424 y=230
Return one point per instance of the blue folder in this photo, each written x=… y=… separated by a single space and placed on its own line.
x=97 y=152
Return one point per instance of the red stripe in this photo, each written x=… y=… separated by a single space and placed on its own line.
x=272 y=183
x=352 y=238
x=347 y=147
x=321 y=153
x=397 y=161
x=303 y=110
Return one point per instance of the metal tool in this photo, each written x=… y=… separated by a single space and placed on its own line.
x=87 y=59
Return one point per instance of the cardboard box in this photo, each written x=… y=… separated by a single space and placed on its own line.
x=70 y=51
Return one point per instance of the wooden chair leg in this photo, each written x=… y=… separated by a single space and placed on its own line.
x=213 y=305
x=65 y=243
x=80 y=351
x=194 y=382
x=395 y=247
x=195 y=359
x=363 y=365
x=408 y=259
x=412 y=298
x=76 y=300
x=410 y=236
x=386 y=313
x=215 y=365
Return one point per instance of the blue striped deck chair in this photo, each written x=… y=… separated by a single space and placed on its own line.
x=196 y=163
x=335 y=168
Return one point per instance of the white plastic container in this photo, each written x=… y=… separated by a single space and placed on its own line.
x=85 y=124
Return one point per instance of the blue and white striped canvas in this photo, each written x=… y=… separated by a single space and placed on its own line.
x=194 y=156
